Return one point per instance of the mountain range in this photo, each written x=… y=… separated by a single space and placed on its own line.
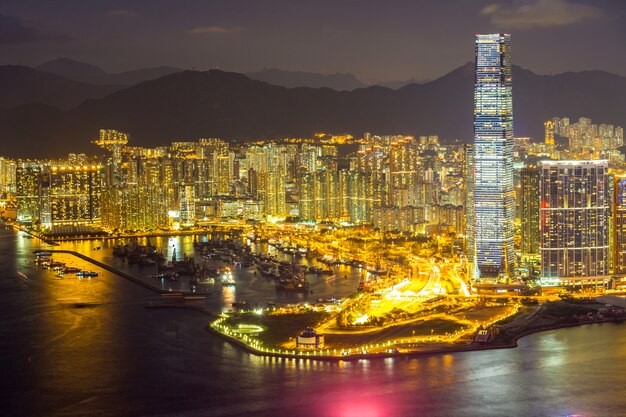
x=91 y=74
x=189 y=105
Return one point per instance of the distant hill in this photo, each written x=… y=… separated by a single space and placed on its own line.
x=291 y=79
x=23 y=85
x=399 y=84
x=87 y=73
x=192 y=104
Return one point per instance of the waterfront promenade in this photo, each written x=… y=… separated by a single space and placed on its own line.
x=396 y=348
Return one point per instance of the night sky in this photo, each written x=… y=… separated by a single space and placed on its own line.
x=376 y=40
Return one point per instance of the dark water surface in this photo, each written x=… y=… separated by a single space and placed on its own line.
x=121 y=359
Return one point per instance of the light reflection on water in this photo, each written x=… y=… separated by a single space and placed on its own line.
x=119 y=358
x=250 y=286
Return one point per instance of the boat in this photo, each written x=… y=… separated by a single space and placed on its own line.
x=86 y=274
x=227 y=279
x=293 y=286
x=42 y=254
x=71 y=270
x=23 y=276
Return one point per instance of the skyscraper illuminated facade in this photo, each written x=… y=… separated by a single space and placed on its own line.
x=619 y=225
x=574 y=218
x=493 y=231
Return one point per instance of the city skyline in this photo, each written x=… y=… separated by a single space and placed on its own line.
x=207 y=239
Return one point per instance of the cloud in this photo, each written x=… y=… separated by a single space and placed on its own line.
x=13 y=31
x=215 y=29
x=123 y=13
x=539 y=13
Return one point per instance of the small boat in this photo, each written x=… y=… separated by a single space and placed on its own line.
x=227 y=279
x=42 y=254
x=71 y=270
x=86 y=274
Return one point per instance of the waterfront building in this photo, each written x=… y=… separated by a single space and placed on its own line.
x=310 y=339
x=140 y=207
x=529 y=210
x=493 y=205
x=74 y=195
x=29 y=179
x=574 y=218
x=7 y=176
x=619 y=225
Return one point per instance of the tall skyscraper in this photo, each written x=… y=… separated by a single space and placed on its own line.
x=529 y=210
x=574 y=218
x=549 y=129
x=619 y=225
x=494 y=207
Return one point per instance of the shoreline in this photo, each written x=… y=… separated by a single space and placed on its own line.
x=436 y=350
x=315 y=355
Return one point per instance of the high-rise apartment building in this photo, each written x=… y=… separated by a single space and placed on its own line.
x=549 y=132
x=574 y=218
x=493 y=212
x=74 y=195
x=29 y=179
x=619 y=225
x=529 y=210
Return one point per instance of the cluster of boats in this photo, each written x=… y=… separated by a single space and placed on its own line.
x=292 y=250
x=44 y=260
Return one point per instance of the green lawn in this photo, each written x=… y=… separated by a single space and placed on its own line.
x=421 y=329
x=279 y=327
